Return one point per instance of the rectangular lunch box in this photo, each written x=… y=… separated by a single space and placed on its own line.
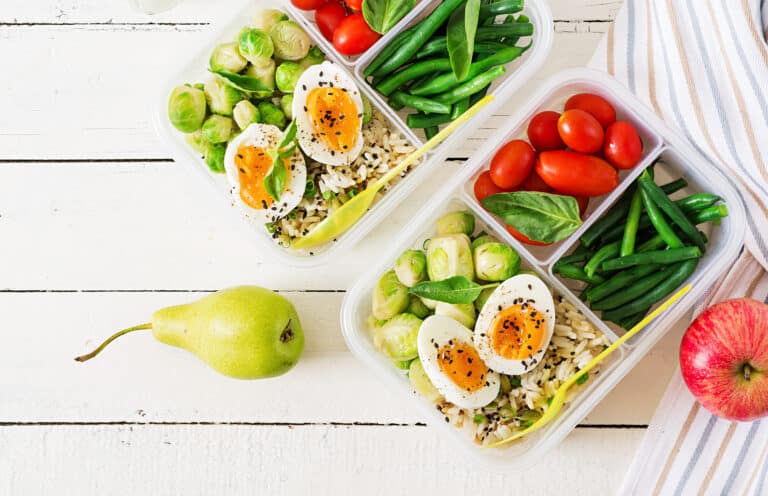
x=679 y=159
x=193 y=70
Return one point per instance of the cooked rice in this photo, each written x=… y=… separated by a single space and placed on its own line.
x=574 y=343
x=384 y=148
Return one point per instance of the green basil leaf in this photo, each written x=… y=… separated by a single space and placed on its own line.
x=274 y=181
x=289 y=136
x=382 y=15
x=456 y=289
x=540 y=216
x=460 y=37
x=245 y=83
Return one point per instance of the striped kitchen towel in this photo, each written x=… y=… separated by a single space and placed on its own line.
x=702 y=66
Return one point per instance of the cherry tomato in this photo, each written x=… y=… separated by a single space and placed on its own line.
x=328 y=17
x=575 y=174
x=353 y=36
x=356 y=5
x=580 y=131
x=523 y=238
x=622 y=147
x=542 y=131
x=595 y=105
x=534 y=183
x=512 y=164
x=484 y=186
x=307 y=4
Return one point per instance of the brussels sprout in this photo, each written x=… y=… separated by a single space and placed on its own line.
x=217 y=129
x=271 y=114
x=196 y=141
x=314 y=56
x=456 y=223
x=484 y=295
x=397 y=338
x=367 y=110
x=403 y=364
x=528 y=271
x=214 y=156
x=265 y=19
x=286 y=103
x=221 y=97
x=430 y=304
x=389 y=297
x=417 y=307
x=450 y=255
x=481 y=240
x=265 y=73
x=226 y=57
x=290 y=41
x=496 y=262
x=463 y=313
x=255 y=45
x=287 y=75
x=245 y=114
x=411 y=267
x=421 y=383
x=186 y=108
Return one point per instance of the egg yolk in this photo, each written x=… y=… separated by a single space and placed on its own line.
x=253 y=163
x=334 y=118
x=460 y=362
x=518 y=331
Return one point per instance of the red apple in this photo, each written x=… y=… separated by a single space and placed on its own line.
x=724 y=359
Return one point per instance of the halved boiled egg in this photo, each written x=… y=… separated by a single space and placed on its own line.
x=515 y=325
x=454 y=366
x=247 y=162
x=328 y=110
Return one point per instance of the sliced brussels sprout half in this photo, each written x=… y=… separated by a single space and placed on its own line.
x=255 y=45
x=226 y=57
x=456 y=223
x=421 y=383
x=272 y=114
x=217 y=129
x=196 y=141
x=266 y=18
x=187 y=108
x=484 y=295
x=214 y=156
x=286 y=104
x=287 y=75
x=390 y=297
x=221 y=97
x=417 y=307
x=289 y=40
x=313 y=57
x=481 y=240
x=245 y=113
x=496 y=262
x=450 y=255
x=463 y=313
x=411 y=267
x=397 y=338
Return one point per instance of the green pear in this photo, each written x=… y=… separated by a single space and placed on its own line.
x=245 y=332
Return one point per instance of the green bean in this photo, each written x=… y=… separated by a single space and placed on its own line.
x=615 y=215
x=698 y=201
x=425 y=105
x=655 y=243
x=448 y=80
x=431 y=131
x=388 y=51
x=419 y=121
x=678 y=273
x=499 y=8
x=491 y=33
x=710 y=214
x=671 y=209
x=580 y=254
x=620 y=281
x=478 y=96
x=653 y=257
x=636 y=290
x=674 y=186
x=459 y=108
x=424 y=30
x=658 y=221
x=436 y=46
x=488 y=47
x=413 y=71
x=632 y=320
x=395 y=105
x=471 y=87
x=630 y=227
x=575 y=272
x=606 y=252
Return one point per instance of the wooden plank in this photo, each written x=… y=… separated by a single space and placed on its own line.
x=315 y=460
x=92 y=110
x=140 y=380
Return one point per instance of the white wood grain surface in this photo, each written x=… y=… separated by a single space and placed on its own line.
x=99 y=228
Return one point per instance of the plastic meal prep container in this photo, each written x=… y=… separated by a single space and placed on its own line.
x=680 y=159
x=194 y=70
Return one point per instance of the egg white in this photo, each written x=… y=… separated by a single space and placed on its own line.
x=519 y=289
x=325 y=75
x=266 y=136
x=438 y=330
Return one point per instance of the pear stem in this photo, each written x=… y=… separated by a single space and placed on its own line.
x=116 y=335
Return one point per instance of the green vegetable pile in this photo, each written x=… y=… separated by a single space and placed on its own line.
x=248 y=85
x=445 y=63
x=642 y=249
x=453 y=276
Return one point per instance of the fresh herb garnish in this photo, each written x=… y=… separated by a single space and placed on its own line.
x=460 y=37
x=582 y=378
x=543 y=217
x=274 y=181
x=382 y=15
x=247 y=84
x=455 y=290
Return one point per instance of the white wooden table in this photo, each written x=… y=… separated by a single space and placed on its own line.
x=98 y=227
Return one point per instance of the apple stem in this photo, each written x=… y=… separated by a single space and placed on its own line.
x=116 y=335
x=747 y=370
